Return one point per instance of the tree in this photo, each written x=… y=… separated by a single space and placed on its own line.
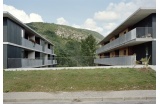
x=88 y=48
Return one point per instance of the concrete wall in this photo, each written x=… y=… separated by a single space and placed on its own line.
x=31 y=55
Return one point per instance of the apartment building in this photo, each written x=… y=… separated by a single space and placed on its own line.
x=23 y=47
x=131 y=41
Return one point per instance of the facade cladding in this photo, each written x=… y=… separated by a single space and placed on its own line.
x=23 y=47
x=133 y=40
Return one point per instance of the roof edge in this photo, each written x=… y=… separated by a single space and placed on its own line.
x=141 y=8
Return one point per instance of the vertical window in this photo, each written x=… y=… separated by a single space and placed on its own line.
x=125 y=53
x=49 y=46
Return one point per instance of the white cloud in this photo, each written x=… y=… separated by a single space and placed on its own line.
x=120 y=11
x=106 y=15
x=92 y=25
x=35 y=17
x=62 y=21
x=116 y=13
x=110 y=26
x=21 y=15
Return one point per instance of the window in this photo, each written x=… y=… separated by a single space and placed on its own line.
x=49 y=57
x=37 y=55
x=49 y=46
x=37 y=40
x=125 y=53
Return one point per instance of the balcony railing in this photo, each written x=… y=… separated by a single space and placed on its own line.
x=50 y=62
x=31 y=62
x=31 y=45
x=124 y=60
x=139 y=32
x=54 y=62
x=21 y=62
x=48 y=50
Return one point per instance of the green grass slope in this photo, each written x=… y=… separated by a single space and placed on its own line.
x=64 y=31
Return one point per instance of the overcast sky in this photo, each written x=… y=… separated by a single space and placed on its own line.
x=98 y=15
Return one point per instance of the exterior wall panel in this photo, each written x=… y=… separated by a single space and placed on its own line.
x=4 y=29
x=12 y=54
x=153 y=58
x=14 y=32
x=4 y=56
x=126 y=60
x=154 y=25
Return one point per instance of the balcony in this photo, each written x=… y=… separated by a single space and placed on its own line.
x=49 y=51
x=31 y=62
x=125 y=60
x=50 y=62
x=29 y=44
x=54 y=62
x=141 y=33
x=24 y=63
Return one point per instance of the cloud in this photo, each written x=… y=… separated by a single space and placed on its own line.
x=116 y=13
x=92 y=25
x=21 y=15
x=110 y=26
x=120 y=11
x=62 y=21
x=105 y=15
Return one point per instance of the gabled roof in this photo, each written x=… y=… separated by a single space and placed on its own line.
x=10 y=16
x=130 y=21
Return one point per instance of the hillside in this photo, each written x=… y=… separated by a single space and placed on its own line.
x=67 y=41
x=64 y=31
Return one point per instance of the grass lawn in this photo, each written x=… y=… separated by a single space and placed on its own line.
x=79 y=80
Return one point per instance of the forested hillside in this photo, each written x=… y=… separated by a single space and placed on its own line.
x=72 y=45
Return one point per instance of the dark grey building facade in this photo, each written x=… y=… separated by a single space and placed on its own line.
x=23 y=47
x=132 y=40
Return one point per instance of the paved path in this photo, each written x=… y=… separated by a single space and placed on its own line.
x=80 y=96
x=102 y=102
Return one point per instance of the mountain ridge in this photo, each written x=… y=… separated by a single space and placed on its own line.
x=64 y=31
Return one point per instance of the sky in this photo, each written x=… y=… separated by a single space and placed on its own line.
x=98 y=15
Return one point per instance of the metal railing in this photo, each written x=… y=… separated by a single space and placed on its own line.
x=48 y=50
x=139 y=32
x=24 y=62
x=123 y=60
x=31 y=62
x=31 y=45
x=54 y=62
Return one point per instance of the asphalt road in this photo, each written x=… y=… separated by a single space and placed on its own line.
x=110 y=102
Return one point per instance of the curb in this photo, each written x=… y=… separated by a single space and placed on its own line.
x=80 y=99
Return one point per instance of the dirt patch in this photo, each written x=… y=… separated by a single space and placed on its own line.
x=144 y=69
